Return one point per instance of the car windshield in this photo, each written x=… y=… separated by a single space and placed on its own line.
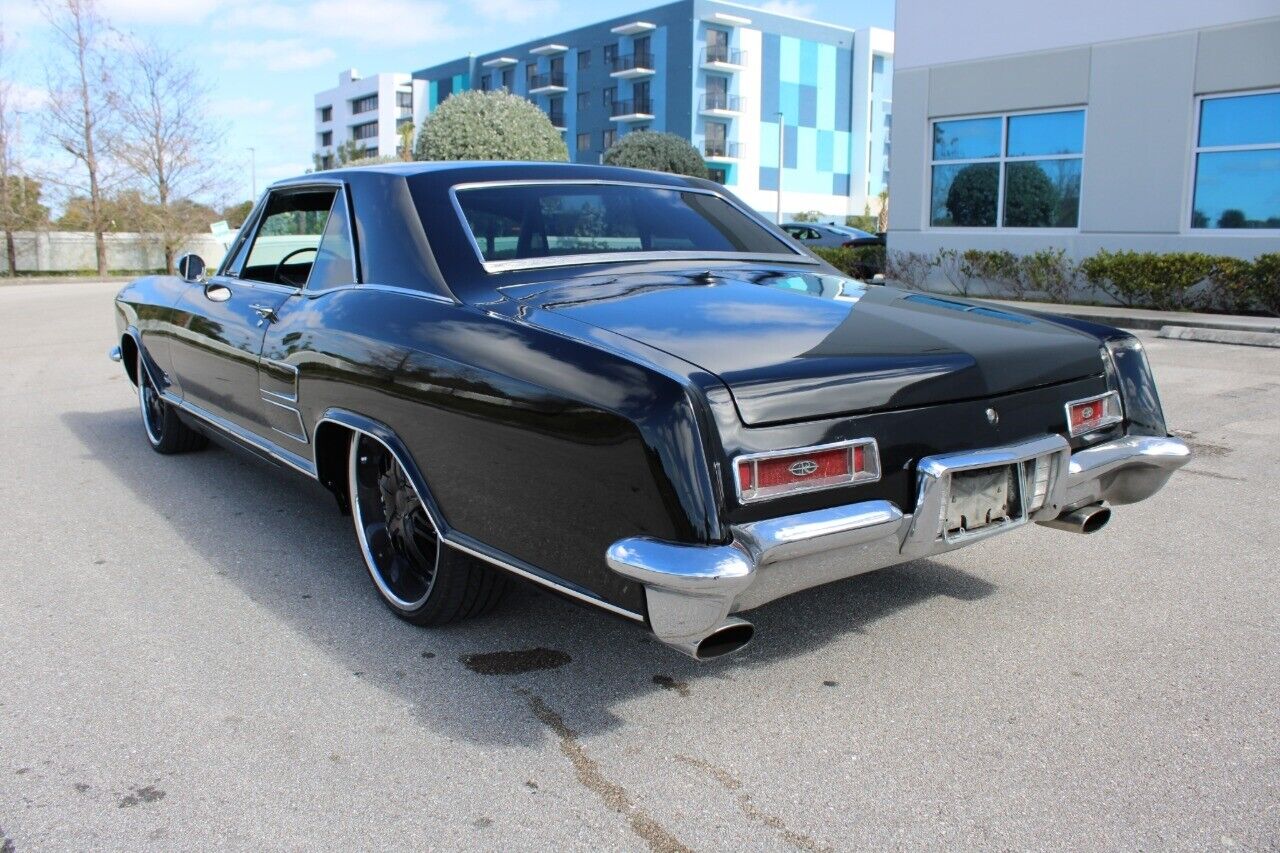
x=518 y=224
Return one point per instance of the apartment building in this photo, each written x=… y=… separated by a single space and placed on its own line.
x=365 y=113
x=774 y=102
x=1150 y=125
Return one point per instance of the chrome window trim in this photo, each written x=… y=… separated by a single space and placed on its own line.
x=260 y=208
x=513 y=265
x=870 y=475
x=1107 y=420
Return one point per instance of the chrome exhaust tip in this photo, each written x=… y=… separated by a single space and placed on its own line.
x=1086 y=519
x=728 y=638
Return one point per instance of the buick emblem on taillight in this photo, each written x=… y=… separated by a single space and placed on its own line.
x=993 y=417
x=803 y=468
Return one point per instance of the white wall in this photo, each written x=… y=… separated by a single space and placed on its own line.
x=73 y=251
x=932 y=33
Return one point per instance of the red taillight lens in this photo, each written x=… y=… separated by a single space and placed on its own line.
x=767 y=475
x=1085 y=416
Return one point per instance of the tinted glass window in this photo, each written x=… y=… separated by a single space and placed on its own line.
x=334 y=265
x=1244 y=120
x=285 y=246
x=1042 y=193
x=969 y=139
x=965 y=196
x=546 y=220
x=1046 y=133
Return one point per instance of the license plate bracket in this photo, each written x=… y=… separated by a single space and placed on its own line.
x=981 y=498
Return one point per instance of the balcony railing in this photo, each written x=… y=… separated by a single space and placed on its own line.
x=632 y=62
x=544 y=81
x=723 y=55
x=721 y=102
x=715 y=148
x=631 y=107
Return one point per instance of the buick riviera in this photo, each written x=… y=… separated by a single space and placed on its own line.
x=628 y=388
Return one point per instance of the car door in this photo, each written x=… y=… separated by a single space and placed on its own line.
x=216 y=352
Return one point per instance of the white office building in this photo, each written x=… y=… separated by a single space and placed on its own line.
x=1151 y=125
x=367 y=112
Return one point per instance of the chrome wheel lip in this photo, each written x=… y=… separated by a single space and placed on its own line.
x=371 y=563
x=145 y=384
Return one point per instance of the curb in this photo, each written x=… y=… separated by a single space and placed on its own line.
x=1221 y=336
x=1130 y=318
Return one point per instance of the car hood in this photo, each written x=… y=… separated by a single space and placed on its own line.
x=793 y=346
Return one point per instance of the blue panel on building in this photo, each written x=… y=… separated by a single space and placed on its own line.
x=840 y=184
x=789 y=146
x=844 y=86
x=826 y=150
x=768 y=178
x=808 y=60
x=808 y=109
x=769 y=77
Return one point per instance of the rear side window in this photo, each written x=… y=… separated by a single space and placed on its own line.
x=529 y=221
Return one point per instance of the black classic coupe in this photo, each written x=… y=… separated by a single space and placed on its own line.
x=626 y=387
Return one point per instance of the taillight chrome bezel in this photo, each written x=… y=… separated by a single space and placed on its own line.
x=870 y=472
x=1112 y=413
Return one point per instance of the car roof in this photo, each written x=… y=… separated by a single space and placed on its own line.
x=514 y=169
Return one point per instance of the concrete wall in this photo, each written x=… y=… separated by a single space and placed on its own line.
x=1140 y=102
x=72 y=251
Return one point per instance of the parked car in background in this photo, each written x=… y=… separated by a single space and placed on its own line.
x=626 y=387
x=830 y=236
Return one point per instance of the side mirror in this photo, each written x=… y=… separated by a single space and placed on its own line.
x=191 y=268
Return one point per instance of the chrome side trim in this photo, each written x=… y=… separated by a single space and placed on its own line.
x=454 y=539
x=244 y=436
x=301 y=434
x=616 y=257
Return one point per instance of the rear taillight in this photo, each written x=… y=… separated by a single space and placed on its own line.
x=1095 y=413
x=806 y=469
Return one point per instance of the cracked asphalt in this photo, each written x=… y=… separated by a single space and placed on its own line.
x=192 y=657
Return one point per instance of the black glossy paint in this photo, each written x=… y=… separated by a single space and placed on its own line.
x=550 y=413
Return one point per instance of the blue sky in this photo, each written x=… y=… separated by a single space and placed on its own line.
x=266 y=58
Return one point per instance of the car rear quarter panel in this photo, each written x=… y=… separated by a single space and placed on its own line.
x=542 y=447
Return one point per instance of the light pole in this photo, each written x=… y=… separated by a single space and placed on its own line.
x=253 y=173
x=781 y=163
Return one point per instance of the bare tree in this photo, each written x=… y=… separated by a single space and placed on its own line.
x=8 y=166
x=167 y=141
x=79 y=110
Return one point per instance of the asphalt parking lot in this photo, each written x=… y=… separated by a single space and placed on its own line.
x=191 y=656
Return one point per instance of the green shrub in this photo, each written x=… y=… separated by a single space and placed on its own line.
x=1150 y=280
x=658 y=152
x=956 y=270
x=863 y=262
x=1049 y=272
x=909 y=269
x=489 y=126
x=865 y=222
x=1241 y=285
x=1001 y=269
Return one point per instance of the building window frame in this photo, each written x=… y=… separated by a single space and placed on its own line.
x=1002 y=160
x=364 y=104
x=1196 y=149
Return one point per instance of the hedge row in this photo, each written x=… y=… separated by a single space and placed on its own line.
x=1171 y=281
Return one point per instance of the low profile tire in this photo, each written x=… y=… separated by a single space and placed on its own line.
x=421 y=579
x=166 y=433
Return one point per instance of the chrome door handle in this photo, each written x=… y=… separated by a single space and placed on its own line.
x=266 y=312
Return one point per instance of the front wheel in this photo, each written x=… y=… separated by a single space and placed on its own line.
x=422 y=579
x=166 y=433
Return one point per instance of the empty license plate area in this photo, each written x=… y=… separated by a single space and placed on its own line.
x=982 y=498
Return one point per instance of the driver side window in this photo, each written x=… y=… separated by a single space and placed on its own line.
x=288 y=240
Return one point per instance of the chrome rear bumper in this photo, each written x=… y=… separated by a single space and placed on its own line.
x=692 y=589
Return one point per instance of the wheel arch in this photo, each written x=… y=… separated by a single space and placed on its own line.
x=129 y=355
x=332 y=436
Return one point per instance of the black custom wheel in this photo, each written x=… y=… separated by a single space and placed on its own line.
x=420 y=578
x=166 y=433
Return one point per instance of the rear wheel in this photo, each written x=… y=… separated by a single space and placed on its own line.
x=166 y=433
x=419 y=577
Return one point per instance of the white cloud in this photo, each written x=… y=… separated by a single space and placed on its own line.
x=273 y=54
x=372 y=22
x=241 y=108
x=516 y=11
x=157 y=11
x=25 y=98
x=794 y=8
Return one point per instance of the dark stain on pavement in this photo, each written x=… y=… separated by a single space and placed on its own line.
x=666 y=682
x=615 y=797
x=514 y=663
x=6 y=843
x=145 y=794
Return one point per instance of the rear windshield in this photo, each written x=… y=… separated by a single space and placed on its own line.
x=527 y=221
